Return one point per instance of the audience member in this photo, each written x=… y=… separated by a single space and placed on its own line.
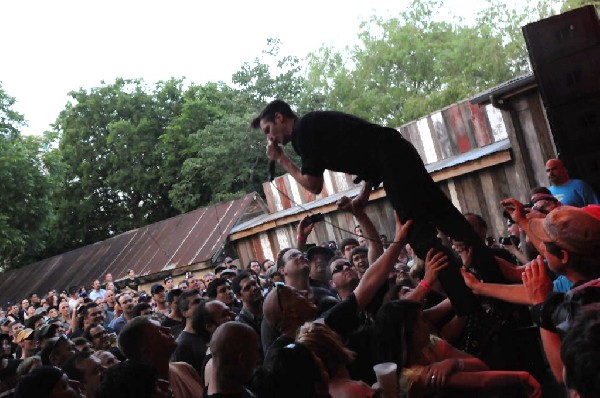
x=570 y=192
x=144 y=340
x=191 y=348
x=132 y=379
x=175 y=319
x=247 y=289
x=234 y=348
x=87 y=369
x=126 y=304
x=318 y=257
x=57 y=350
x=330 y=350
x=45 y=381
x=580 y=351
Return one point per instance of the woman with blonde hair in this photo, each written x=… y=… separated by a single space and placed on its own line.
x=328 y=347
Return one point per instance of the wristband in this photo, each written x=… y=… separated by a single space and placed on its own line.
x=461 y=365
x=300 y=238
x=425 y=285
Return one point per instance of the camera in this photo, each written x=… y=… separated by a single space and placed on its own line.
x=316 y=217
x=507 y=240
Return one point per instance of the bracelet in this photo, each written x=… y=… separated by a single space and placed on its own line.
x=425 y=285
x=301 y=238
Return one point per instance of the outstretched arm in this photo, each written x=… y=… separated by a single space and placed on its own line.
x=539 y=286
x=516 y=294
x=378 y=272
x=357 y=207
x=434 y=263
x=304 y=229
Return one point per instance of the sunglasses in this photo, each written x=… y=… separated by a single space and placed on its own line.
x=339 y=267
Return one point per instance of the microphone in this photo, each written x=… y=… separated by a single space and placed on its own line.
x=271 y=170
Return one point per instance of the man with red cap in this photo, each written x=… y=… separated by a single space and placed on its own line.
x=569 y=239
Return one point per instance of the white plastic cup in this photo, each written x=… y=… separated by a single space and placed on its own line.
x=387 y=379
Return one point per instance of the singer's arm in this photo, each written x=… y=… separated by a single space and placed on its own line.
x=311 y=183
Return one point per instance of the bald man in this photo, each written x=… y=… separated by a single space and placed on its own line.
x=570 y=192
x=234 y=347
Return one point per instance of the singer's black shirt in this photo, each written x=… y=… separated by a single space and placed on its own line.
x=340 y=142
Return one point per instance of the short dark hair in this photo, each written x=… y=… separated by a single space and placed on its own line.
x=348 y=241
x=128 y=379
x=536 y=190
x=269 y=111
x=137 y=310
x=211 y=289
x=275 y=274
x=235 y=284
x=182 y=301
x=280 y=263
x=31 y=321
x=87 y=332
x=219 y=268
x=250 y=263
x=87 y=307
x=70 y=367
x=174 y=293
x=357 y=250
x=200 y=318
x=583 y=265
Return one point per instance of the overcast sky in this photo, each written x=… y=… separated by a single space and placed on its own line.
x=53 y=47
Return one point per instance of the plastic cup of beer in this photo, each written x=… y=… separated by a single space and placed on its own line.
x=387 y=379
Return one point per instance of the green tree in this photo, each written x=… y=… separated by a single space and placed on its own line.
x=225 y=160
x=406 y=67
x=110 y=145
x=24 y=205
x=571 y=4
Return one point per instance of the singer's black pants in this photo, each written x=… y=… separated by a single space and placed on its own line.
x=414 y=195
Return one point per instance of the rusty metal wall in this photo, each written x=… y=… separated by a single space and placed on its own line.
x=171 y=245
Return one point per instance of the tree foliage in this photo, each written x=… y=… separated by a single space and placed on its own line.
x=24 y=206
x=408 y=66
x=109 y=143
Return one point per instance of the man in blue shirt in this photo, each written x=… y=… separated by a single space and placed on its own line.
x=570 y=192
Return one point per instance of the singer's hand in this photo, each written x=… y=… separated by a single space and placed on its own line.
x=274 y=150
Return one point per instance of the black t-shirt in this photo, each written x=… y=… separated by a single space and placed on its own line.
x=345 y=320
x=279 y=343
x=190 y=349
x=132 y=283
x=175 y=326
x=333 y=140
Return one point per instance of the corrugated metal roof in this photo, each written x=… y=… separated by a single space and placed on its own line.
x=431 y=168
x=176 y=242
x=511 y=85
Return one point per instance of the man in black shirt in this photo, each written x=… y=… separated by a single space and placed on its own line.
x=324 y=140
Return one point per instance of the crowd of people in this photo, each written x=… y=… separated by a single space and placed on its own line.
x=314 y=322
